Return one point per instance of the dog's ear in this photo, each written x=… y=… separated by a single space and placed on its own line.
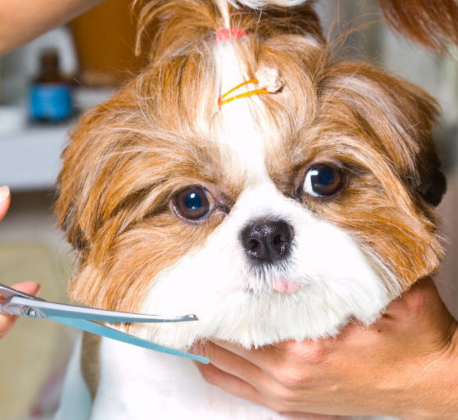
x=72 y=203
x=398 y=117
x=427 y=178
x=82 y=194
x=431 y=184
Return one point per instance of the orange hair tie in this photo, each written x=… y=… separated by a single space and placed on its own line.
x=223 y=99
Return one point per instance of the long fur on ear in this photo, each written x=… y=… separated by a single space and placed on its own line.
x=408 y=141
x=432 y=184
x=431 y=23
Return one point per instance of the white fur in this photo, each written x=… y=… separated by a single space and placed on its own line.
x=141 y=384
x=75 y=403
x=239 y=136
x=234 y=301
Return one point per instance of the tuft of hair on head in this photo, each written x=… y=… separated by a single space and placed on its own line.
x=174 y=27
x=171 y=28
x=269 y=79
x=431 y=23
x=260 y=4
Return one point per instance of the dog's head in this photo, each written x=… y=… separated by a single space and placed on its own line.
x=271 y=217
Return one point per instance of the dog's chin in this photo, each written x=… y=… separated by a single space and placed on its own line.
x=257 y=318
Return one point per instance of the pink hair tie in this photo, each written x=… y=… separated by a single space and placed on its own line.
x=228 y=35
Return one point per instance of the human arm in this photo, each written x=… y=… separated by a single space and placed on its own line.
x=31 y=287
x=405 y=366
x=23 y=20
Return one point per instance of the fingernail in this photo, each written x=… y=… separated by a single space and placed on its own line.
x=36 y=291
x=4 y=193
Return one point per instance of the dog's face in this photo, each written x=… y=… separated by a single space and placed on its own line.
x=272 y=217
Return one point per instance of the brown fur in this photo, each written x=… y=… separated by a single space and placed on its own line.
x=432 y=23
x=380 y=130
x=129 y=156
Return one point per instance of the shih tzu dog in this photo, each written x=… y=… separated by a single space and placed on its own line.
x=251 y=178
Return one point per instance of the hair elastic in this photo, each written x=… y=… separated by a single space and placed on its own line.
x=223 y=99
x=228 y=35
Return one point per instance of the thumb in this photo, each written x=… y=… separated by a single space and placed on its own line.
x=5 y=199
x=30 y=287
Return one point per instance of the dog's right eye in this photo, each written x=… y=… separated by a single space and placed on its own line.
x=192 y=203
x=323 y=180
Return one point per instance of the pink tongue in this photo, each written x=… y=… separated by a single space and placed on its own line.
x=282 y=285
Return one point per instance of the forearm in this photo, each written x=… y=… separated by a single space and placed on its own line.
x=438 y=397
x=23 y=20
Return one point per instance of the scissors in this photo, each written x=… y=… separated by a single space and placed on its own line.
x=82 y=318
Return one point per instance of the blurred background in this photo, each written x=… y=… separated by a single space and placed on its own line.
x=83 y=63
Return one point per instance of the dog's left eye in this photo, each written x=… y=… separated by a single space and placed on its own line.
x=192 y=203
x=323 y=180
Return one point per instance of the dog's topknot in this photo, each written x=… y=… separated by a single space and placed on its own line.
x=259 y=4
x=175 y=27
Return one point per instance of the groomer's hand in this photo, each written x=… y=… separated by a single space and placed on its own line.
x=23 y=20
x=30 y=287
x=405 y=365
x=5 y=199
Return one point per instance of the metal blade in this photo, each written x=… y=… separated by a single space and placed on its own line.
x=44 y=309
x=104 y=331
x=8 y=292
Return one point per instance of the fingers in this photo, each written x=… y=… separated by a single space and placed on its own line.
x=237 y=376
x=280 y=360
x=418 y=301
x=240 y=389
x=262 y=357
x=228 y=362
x=7 y=321
x=241 y=378
x=273 y=371
x=30 y=287
x=228 y=383
x=5 y=198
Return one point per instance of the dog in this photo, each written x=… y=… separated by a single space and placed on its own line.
x=249 y=176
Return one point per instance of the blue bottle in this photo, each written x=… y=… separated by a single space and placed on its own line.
x=50 y=95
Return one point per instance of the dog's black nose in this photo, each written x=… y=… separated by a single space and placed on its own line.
x=267 y=241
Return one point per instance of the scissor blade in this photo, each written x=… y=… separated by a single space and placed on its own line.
x=113 y=334
x=8 y=292
x=44 y=309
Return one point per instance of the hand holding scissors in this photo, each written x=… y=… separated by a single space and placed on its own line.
x=31 y=287
x=7 y=321
x=15 y=302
